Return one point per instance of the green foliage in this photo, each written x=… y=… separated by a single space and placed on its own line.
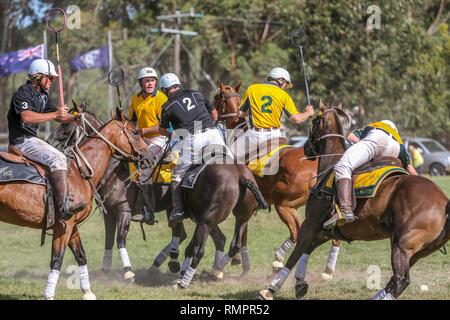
x=399 y=71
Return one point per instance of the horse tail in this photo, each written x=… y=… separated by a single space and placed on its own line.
x=262 y=203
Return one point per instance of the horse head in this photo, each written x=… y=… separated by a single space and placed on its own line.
x=227 y=101
x=326 y=127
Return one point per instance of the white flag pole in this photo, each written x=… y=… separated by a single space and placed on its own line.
x=110 y=57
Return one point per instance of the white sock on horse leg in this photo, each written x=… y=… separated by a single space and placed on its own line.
x=124 y=256
x=52 y=280
x=187 y=278
x=223 y=262
x=84 y=278
x=245 y=258
x=185 y=265
x=217 y=257
x=279 y=280
x=302 y=264
x=332 y=258
x=107 y=259
x=284 y=248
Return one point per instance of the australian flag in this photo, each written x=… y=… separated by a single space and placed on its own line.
x=93 y=59
x=17 y=61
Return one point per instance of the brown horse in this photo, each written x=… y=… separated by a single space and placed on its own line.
x=289 y=188
x=22 y=203
x=410 y=210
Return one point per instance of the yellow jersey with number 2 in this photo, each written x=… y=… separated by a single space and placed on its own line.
x=147 y=112
x=265 y=103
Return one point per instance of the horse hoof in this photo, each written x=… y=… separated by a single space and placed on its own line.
x=218 y=274
x=235 y=261
x=88 y=295
x=277 y=266
x=129 y=277
x=174 y=267
x=301 y=289
x=326 y=276
x=265 y=295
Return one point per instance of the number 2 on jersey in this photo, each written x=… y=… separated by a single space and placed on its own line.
x=268 y=102
x=188 y=103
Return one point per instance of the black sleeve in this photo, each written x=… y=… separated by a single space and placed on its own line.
x=208 y=105
x=50 y=107
x=22 y=101
x=246 y=105
x=165 y=119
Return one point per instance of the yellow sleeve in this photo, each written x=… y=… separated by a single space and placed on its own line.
x=130 y=114
x=289 y=106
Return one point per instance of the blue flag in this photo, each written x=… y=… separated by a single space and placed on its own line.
x=17 y=61
x=93 y=59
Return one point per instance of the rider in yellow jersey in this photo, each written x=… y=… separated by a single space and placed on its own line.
x=145 y=112
x=265 y=103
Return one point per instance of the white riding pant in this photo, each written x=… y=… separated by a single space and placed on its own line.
x=40 y=151
x=156 y=145
x=249 y=141
x=192 y=150
x=375 y=145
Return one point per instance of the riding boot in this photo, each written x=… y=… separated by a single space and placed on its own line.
x=58 y=181
x=177 y=213
x=344 y=192
x=148 y=208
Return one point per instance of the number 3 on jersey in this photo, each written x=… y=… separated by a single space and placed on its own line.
x=188 y=104
x=268 y=102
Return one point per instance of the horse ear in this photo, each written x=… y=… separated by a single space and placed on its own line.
x=221 y=86
x=340 y=106
x=119 y=114
x=321 y=105
x=84 y=105
x=238 y=87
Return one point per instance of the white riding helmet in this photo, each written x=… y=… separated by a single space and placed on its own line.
x=42 y=66
x=147 y=72
x=390 y=124
x=168 y=80
x=277 y=73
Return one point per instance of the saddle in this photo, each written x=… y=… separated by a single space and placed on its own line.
x=14 y=166
x=15 y=156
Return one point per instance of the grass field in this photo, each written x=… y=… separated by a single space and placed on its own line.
x=24 y=265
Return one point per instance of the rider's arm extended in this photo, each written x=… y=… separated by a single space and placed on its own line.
x=212 y=111
x=302 y=116
x=33 y=117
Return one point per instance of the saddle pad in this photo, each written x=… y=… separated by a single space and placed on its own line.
x=194 y=172
x=263 y=166
x=366 y=184
x=10 y=171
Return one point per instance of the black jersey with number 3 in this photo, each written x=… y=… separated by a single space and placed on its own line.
x=185 y=107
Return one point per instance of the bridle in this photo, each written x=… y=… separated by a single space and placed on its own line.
x=221 y=104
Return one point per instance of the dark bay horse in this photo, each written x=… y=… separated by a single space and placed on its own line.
x=288 y=189
x=219 y=190
x=22 y=203
x=409 y=210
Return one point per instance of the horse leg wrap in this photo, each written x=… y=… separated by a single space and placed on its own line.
x=187 y=278
x=52 y=280
x=185 y=265
x=223 y=262
x=84 y=279
x=332 y=259
x=125 y=259
x=217 y=257
x=300 y=272
x=383 y=295
x=279 y=280
x=245 y=259
x=162 y=256
x=283 y=249
x=107 y=260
